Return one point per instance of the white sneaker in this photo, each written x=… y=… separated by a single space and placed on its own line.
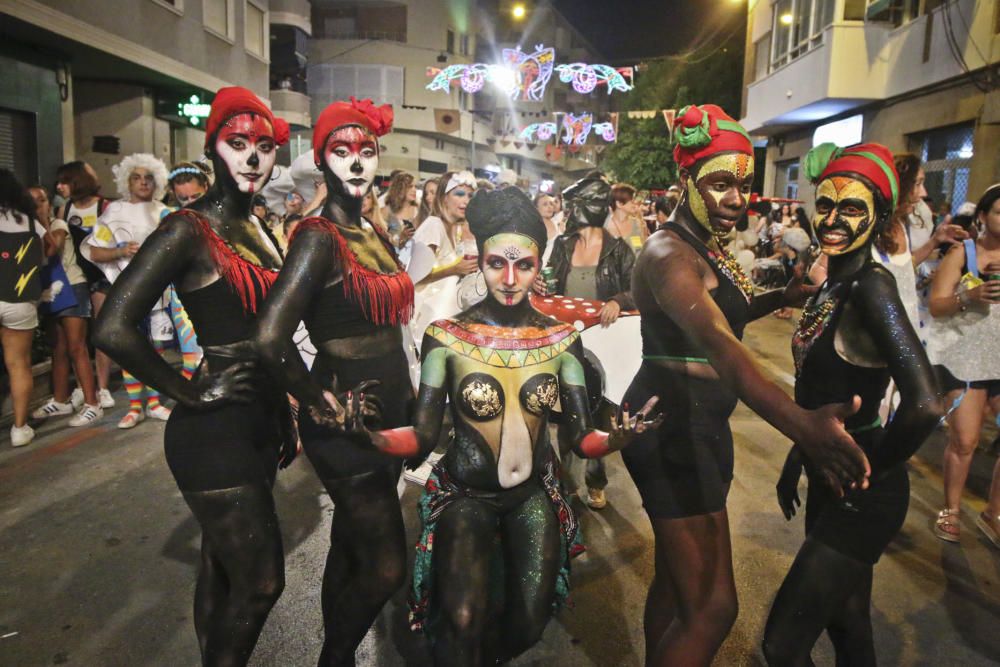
x=131 y=419
x=21 y=435
x=160 y=412
x=88 y=415
x=76 y=398
x=52 y=408
x=104 y=398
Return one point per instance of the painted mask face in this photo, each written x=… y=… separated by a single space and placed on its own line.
x=845 y=214
x=510 y=263
x=351 y=153
x=588 y=206
x=719 y=192
x=141 y=184
x=246 y=144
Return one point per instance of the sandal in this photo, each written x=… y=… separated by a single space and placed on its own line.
x=947 y=526
x=982 y=521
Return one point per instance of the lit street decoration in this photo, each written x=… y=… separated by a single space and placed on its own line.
x=524 y=76
x=585 y=78
x=576 y=129
x=606 y=130
x=543 y=131
x=194 y=110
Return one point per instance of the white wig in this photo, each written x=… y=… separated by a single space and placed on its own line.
x=147 y=161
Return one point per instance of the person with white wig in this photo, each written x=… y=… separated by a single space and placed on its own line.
x=141 y=179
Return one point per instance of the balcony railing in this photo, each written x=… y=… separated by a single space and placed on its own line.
x=367 y=35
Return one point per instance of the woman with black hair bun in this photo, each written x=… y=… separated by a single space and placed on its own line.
x=231 y=427
x=502 y=366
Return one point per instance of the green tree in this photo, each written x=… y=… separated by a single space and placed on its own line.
x=643 y=154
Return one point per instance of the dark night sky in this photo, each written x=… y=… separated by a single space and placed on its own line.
x=632 y=29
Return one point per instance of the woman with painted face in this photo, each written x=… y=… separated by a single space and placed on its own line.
x=853 y=337
x=694 y=301
x=502 y=366
x=230 y=429
x=342 y=279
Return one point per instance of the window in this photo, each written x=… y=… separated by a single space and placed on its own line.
x=218 y=18
x=176 y=6
x=18 y=145
x=947 y=156
x=896 y=12
x=328 y=82
x=255 y=37
x=384 y=21
x=798 y=28
x=786 y=183
x=450 y=41
x=465 y=45
x=760 y=52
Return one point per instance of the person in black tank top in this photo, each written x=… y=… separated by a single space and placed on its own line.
x=343 y=280
x=853 y=337
x=230 y=428
x=694 y=302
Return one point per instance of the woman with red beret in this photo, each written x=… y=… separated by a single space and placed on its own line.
x=342 y=278
x=853 y=337
x=695 y=301
x=224 y=440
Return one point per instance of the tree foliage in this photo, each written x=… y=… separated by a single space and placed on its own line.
x=643 y=154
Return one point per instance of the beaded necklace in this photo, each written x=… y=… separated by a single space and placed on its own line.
x=732 y=270
x=812 y=324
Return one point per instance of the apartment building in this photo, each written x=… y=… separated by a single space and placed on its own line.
x=915 y=75
x=383 y=50
x=99 y=79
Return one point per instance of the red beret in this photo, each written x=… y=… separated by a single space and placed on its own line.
x=235 y=100
x=378 y=121
x=704 y=130
x=873 y=161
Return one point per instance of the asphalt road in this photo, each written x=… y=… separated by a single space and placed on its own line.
x=98 y=551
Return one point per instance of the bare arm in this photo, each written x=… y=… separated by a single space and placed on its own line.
x=920 y=407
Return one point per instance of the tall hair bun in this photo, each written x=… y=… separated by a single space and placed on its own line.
x=505 y=211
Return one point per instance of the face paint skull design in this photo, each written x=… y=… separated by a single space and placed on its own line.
x=510 y=263
x=845 y=214
x=351 y=153
x=246 y=144
x=718 y=193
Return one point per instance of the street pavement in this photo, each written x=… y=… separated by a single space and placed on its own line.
x=98 y=554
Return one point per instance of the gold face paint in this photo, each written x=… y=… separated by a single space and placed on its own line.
x=717 y=194
x=845 y=212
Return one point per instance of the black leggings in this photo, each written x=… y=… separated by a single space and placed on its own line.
x=224 y=461
x=466 y=630
x=366 y=563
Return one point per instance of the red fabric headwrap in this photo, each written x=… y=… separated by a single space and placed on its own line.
x=704 y=130
x=873 y=161
x=235 y=100
x=378 y=121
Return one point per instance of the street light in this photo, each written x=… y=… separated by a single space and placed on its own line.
x=786 y=19
x=518 y=11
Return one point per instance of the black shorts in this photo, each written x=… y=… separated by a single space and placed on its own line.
x=336 y=457
x=233 y=445
x=862 y=524
x=684 y=467
x=949 y=382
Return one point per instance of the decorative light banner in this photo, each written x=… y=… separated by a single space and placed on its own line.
x=543 y=131
x=585 y=78
x=576 y=129
x=524 y=76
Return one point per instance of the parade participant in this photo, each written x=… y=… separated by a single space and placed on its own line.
x=77 y=182
x=964 y=302
x=854 y=335
x=504 y=365
x=342 y=279
x=116 y=237
x=625 y=221
x=229 y=430
x=68 y=327
x=187 y=182
x=589 y=263
x=695 y=301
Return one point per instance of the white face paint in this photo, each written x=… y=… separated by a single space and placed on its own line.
x=246 y=144
x=351 y=153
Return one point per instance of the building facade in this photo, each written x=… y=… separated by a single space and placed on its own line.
x=385 y=51
x=915 y=75
x=99 y=79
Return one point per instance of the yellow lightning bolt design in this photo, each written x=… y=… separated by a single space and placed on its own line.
x=23 y=249
x=23 y=280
